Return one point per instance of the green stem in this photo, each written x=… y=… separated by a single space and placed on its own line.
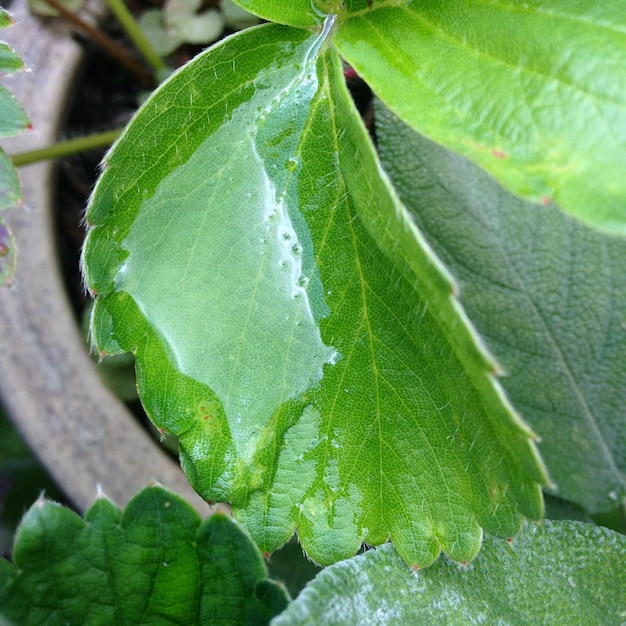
x=65 y=148
x=131 y=27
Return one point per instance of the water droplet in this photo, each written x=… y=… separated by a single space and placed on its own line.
x=303 y=281
x=291 y=165
x=287 y=236
x=296 y=248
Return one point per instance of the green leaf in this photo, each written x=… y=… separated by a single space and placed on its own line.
x=299 y=13
x=10 y=62
x=553 y=573
x=7 y=254
x=10 y=188
x=310 y=384
x=549 y=296
x=533 y=92
x=5 y=18
x=155 y=563
x=13 y=119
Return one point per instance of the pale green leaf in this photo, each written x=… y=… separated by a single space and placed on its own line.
x=534 y=92
x=13 y=119
x=153 y=563
x=549 y=296
x=10 y=61
x=7 y=254
x=554 y=573
x=309 y=380
x=10 y=188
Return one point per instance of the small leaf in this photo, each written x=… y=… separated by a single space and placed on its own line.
x=5 y=18
x=13 y=119
x=546 y=292
x=311 y=380
x=10 y=187
x=154 y=563
x=7 y=254
x=534 y=92
x=553 y=573
x=10 y=62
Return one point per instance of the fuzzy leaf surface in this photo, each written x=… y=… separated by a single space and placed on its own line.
x=546 y=292
x=309 y=382
x=554 y=573
x=154 y=563
x=533 y=92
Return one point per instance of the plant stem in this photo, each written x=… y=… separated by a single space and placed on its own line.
x=65 y=148
x=125 y=18
x=123 y=56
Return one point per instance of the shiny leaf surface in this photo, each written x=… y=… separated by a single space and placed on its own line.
x=310 y=381
x=533 y=92
x=554 y=573
x=154 y=563
x=546 y=292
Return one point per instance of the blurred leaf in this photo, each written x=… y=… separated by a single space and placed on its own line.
x=236 y=17
x=13 y=119
x=549 y=296
x=154 y=563
x=5 y=18
x=7 y=254
x=310 y=378
x=534 y=92
x=10 y=62
x=554 y=573
x=41 y=7
x=179 y=22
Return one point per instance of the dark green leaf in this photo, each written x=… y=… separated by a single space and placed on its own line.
x=310 y=384
x=155 y=563
x=534 y=92
x=555 y=573
x=549 y=296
